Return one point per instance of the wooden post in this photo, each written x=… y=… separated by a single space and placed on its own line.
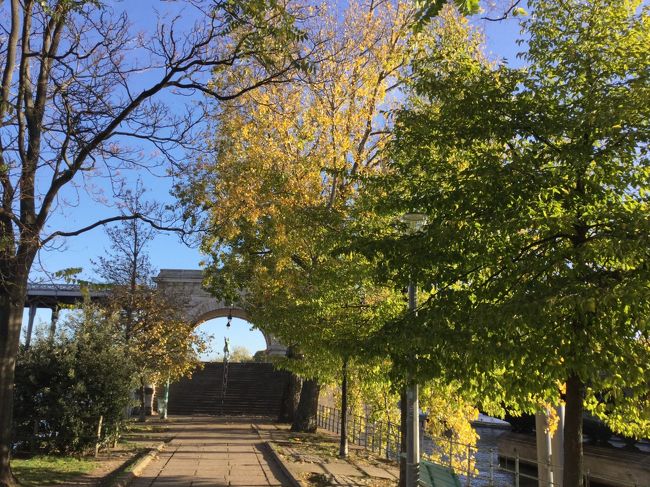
x=35 y=436
x=99 y=435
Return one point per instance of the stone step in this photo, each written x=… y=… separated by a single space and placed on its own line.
x=252 y=388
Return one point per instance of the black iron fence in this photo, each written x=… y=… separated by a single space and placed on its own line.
x=376 y=436
x=476 y=465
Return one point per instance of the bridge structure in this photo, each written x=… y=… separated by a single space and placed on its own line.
x=183 y=286
x=53 y=297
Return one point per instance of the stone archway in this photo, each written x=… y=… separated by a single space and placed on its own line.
x=186 y=286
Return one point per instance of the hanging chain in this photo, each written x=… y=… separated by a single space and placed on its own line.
x=226 y=356
x=224 y=383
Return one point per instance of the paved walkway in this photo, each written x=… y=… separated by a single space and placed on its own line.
x=215 y=452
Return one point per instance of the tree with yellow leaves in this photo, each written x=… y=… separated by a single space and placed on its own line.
x=161 y=344
x=276 y=188
x=279 y=180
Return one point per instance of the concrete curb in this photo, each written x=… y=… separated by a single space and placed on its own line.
x=294 y=482
x=123 y=479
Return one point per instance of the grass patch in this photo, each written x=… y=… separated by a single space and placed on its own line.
x=42 y=470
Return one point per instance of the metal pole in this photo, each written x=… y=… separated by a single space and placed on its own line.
x=491 y=466
x=412 y=418
x=469 y=465
x=166 y=400
x=365 y=431
x=451 y=453
x=381 y=430
x=516 y=469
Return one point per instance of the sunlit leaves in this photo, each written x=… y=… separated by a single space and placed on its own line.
x=535 y=183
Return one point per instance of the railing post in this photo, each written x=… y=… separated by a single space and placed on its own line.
x=451 y=452
x=516 y=468
x=491 y=467
x=388 y=442
x=469 y=465
x=365 y=443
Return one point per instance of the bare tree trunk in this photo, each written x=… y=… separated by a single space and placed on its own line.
x=573 y=463
x=402 y=443
x=11 y=314
x=343 y=445
x=307 y=412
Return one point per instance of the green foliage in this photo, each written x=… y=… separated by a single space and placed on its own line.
x=240 y=354
x=69 y=274
x=535 y=182
x=429 y=9
x=66 y=384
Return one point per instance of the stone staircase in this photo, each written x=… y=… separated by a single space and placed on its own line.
x=253 y=389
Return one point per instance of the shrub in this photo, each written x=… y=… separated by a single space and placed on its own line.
x=65 y=384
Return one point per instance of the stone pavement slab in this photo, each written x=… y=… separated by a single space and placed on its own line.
x=342 y=468
x=216 y=452
x=299 y=461
x=380 y=473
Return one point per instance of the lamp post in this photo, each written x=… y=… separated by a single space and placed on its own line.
x=414 y=222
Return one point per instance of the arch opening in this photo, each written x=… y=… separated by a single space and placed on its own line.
x=186 y=287
x=245 y=341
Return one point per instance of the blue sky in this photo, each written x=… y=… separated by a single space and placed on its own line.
x=167 y=251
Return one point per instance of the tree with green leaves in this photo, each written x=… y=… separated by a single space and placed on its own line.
x=72 y=389
x=535 y=182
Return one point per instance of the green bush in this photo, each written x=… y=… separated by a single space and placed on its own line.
x=64 y=385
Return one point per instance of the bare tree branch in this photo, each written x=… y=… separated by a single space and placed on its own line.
x=113 y=219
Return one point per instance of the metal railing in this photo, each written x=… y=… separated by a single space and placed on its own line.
x=376 y=436
x=475 y=465
x=38 y=286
